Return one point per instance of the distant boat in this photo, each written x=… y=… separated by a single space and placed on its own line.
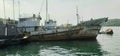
x=108 y=31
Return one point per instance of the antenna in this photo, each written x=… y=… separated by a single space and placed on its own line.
x=4 y=10
x=46 y=9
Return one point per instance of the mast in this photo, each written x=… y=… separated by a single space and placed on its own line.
x=13 y=11
x=5 y=18
x=77 y=15
x=19 y=7
x=46 y=10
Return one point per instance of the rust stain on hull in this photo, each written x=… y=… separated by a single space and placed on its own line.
x=68 y=35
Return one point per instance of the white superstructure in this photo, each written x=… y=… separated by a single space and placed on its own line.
x=29 y=24
x=50 y=24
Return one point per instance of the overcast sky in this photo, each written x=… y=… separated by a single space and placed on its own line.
x=64 y=11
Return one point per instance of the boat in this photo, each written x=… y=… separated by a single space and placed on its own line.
x=108 y=31
x=9 y=35
x=35 y=32
x=86 y=30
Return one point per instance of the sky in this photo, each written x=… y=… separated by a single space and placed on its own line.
x=63 y=11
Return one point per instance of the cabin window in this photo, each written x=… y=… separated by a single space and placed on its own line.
x=36 y=28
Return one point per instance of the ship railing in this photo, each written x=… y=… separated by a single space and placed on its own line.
x=93 y=27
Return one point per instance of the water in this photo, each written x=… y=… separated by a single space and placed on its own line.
x=105 y=45
x=110 y=44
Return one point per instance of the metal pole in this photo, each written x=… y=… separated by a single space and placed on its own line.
x=4 y=9
x=77 y=15
x=19 y=7
x=46 y=9
x=5 y=18
x=13 y=11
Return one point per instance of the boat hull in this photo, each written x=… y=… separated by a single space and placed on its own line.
x=86 y=30
x=11 y=40
x=67 y=35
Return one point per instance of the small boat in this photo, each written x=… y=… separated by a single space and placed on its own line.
x=108 y=31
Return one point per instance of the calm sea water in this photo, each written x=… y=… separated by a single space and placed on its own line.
x=105 y=45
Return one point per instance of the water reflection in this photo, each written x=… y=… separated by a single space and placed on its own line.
x=20 y=50
x=74 y=48
x=54 y=48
